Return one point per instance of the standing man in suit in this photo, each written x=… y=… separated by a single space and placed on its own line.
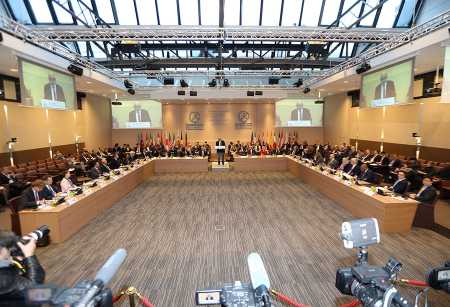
x=31 y=196
x=301 y=113
x=220 y=152
x=427 y=193
x=53 y=91
x=386 y=88
x=48 y=191
x=401 y=185
x=138 y=115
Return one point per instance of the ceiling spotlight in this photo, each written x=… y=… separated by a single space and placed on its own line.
x=363 y=68
x=272 y=54
x=183 y=83
x=127 y=83
x=234 y=54
x=212 y=83
x=306 y=90
x=226 y=83
x=298 y=83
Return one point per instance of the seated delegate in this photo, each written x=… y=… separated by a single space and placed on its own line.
x=427 y=193
x=401 y=185
x=31 y=197
x=66 y=183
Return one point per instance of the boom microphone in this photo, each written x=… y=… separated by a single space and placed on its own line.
x=109 y=269
x=259 y=278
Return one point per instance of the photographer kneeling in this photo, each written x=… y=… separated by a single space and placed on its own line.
x=19 y=268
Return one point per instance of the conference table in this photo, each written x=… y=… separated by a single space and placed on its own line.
x=394 y=214
x=69 y=217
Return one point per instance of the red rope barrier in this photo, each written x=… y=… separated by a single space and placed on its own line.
x=145 y=302
x=284 y=299
x=413 y=282
x=117 y=298
x=351 y=304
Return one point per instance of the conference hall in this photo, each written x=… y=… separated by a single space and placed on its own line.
x=225 y=153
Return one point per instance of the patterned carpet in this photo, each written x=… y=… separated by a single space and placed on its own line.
x=188 y=231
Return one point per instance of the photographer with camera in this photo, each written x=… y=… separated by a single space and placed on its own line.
x=19 y=267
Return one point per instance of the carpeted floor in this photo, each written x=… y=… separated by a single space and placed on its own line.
x=188 y=231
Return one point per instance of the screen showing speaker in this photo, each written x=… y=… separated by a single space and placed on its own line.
x=137 y=114
x=388 y=86
x=45 y=87
x=298 y=113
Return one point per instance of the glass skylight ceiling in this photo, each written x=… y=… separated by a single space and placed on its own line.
x=311 y=13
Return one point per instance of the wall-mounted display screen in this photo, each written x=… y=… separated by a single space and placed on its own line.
x=298 y=113
x=388 y=86
x=137 y=114
x=45 y=87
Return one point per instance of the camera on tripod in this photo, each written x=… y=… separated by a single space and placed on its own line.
x=255 y=294
x=439 y=278
x=372 y=285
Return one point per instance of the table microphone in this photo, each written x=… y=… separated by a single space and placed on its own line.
x=259 y=278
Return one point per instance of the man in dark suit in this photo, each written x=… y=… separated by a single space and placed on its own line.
x=386 y=88
x=104 y=168
x=95 y=171
x=48 y=191
x=31 y=196
x=395 y=162
x=220 y=152
x=139 y=115
x=345 y=165
x=427 y=193
x=354 y=170
x=366 y=174
x=401 y=185
x=301 y=113
x=53 y=91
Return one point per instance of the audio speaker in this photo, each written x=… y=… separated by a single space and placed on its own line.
x=169 y=81
x=319 y=102
x=131 y=91
x=258 y=93
x=181 y=93
x=273 y=81
x=250 y=93
x=355 y=98
x=193 y=93
x=306 y=90
x=76 y=70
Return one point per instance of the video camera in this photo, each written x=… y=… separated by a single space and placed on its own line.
x=439 y=278
x=40 y=235
x=255 y=294
x=84 y=294
x=372 y=285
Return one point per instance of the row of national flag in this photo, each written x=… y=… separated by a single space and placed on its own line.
x=272 y=138
x=162 y=137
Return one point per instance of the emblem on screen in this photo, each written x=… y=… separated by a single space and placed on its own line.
x=243 y=116
x=194 y=117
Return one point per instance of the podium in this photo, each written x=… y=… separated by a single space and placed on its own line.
x=220 y=147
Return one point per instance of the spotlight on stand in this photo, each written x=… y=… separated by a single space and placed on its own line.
x=298 y=83
x=363 y=68
x=226 y=83
x=306 y=90
x=131 y=91
x=183 y=83
x=212 y=83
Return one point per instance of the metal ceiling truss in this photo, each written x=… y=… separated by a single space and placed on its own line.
x=158 y=74
x=27 y=34
x=242 y=63
x=207 y=33
x=412 y=34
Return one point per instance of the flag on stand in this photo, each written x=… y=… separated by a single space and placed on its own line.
x=185 y=138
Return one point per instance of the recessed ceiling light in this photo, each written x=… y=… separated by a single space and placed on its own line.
x=14 y=70
x=88 y=82
x=345 y=81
